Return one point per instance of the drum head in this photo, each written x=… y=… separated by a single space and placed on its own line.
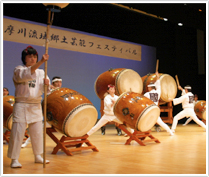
x=168 y=87
x=148 y=118
x=129 y=80
x=80 y=120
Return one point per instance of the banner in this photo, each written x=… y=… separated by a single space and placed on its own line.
x=28 y=33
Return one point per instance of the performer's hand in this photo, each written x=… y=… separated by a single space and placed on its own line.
x=52 y=87
x=46 y=82
x=180 y=88
x=45 y=57
x=157 y=75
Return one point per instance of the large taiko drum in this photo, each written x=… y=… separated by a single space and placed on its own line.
x=167 y=83
x=136 y=111
x=8 y=111
x=70 y=113
x=200 y=109
x=123 y=79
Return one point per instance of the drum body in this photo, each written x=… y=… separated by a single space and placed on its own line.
x=200 y=109
x=136 y=111
x=70 y=113
x=123 y=79
x=8 y=102
x=167 y=83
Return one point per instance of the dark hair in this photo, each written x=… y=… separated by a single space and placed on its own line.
x=28 y=51
x=109 y=86
x=196 y=95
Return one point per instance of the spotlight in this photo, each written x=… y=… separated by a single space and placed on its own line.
x=180 y=24
x=165 y=19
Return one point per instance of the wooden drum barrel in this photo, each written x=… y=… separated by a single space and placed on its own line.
x=123 y=79
x=167 y=83
x=200 y=109
x=70 y=113
x=8 y=111
x=136 y=111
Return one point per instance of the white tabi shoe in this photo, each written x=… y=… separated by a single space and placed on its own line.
x=39 y=159
x=15 y=164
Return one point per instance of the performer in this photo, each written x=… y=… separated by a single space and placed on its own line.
x=108 y=116
x=29 y=86
x=56 y=83
x=154 y=92
x=194 y=102
x=5 y=91
x=118 y=130
x=188 y=107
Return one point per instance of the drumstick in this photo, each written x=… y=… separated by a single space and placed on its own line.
x=45 y=89
x=157 y=64
x=177 y=80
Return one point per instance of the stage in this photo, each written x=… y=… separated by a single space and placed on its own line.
x=183 y=153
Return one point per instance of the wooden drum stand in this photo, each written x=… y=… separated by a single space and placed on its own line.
x=66 y=143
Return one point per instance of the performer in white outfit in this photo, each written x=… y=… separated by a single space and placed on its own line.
x=56 y=83
x=29 y=86
x=108 y=116
x=154 y=92
x=194 y=102
x=188 y=108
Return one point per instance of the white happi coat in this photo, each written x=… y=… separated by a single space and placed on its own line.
x=28 y=94
x=154 y=95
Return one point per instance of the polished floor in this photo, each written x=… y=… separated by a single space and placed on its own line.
x=183 y=153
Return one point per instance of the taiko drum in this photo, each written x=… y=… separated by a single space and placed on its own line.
x=70 y=113
x=8 y=102
x=136 y=111
x=200 y=109
x=123 y=79
x=167 y=83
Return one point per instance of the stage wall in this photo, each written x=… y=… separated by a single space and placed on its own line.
x=78 y=68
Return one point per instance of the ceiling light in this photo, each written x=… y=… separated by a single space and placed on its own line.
x=180 y=24
x=165 y=19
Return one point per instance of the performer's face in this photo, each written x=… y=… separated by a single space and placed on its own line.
x=57 y=84
x=111 y=90
x=30 y=60
x=5 y=92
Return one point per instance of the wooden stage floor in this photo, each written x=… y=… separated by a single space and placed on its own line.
x=183 y=153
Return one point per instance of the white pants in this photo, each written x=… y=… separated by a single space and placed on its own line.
x=187 y=112
x=105 y=119
x=164 y=125
x=17 y=135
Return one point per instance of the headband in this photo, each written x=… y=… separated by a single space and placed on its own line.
x=187 y=87
x=110 y=86
x=151 y=85
x=56 y=80
x=26 y=50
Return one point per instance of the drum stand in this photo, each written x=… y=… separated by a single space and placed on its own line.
x=6 y=135
x=65 y=142
x=138 y=136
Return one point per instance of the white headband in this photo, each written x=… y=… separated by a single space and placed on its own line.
x=151 y=85
x=188 y=87
x=56 y=80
